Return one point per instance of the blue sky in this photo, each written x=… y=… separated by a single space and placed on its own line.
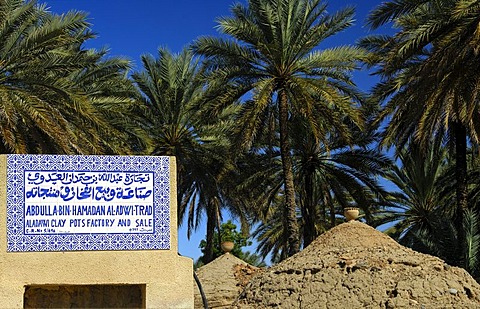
x=132 y=28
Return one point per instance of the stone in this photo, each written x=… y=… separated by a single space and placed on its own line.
x=453 y=291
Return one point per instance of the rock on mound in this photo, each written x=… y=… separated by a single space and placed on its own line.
x=355 y=266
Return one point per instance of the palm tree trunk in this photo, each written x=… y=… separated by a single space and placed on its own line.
x=461 y=179
x=332 y=214
x=461 y=166
x=287 y=164
x=217 y=216
x=211 y=223
x=308 y=213
x=323 y=212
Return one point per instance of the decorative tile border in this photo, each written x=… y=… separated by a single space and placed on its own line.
x=69 y=203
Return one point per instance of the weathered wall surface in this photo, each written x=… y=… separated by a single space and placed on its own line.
x=167 y=277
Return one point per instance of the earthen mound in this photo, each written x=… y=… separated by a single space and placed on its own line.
x=355 y=266
x=222 y=281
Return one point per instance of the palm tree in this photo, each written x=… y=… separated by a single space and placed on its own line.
x=442 y=238
x=272 y=236
x=422 y=197
x=474 y=176
x=172 y=87
x=430 y=77
x=327 y=181
x=420 y=209
x=115 y=98
x=336 y=175
x=272 y=58
x=42 y=109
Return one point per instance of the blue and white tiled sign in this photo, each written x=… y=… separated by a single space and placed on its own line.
x=70 y=203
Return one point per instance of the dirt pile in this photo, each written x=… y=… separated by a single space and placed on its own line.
x=222 y=281
x=355 y=266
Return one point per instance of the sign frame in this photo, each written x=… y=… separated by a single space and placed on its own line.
x=19 y=166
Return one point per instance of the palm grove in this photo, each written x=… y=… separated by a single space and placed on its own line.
x=266 y=125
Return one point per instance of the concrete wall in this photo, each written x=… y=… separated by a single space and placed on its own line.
x=167 y=277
